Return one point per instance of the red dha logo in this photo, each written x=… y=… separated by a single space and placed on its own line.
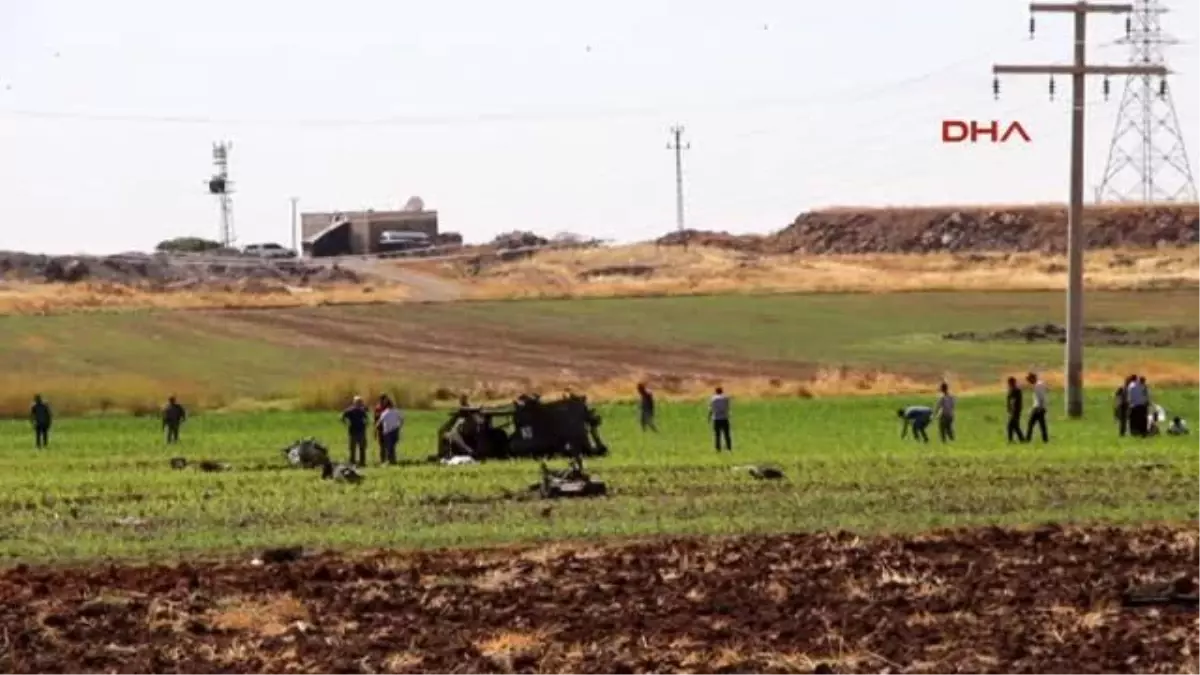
x=957 y=131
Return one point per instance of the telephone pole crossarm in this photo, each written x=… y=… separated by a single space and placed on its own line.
x=1065 y=69
x=1075 y=7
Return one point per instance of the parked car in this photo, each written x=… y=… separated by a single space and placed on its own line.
x=269 y=251
x=393 y=240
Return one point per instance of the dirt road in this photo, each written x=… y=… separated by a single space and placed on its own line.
x=987 y=600
x=424 y=287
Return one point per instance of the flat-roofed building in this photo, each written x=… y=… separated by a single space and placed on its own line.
x=360 y=232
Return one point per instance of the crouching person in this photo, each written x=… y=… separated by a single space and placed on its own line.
x=918 y=417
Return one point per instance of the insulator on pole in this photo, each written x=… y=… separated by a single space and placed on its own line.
x=1051 y=87
x=1162 y=88
x=1128 y=26
x=996 y=87
x=1107 y=87
x=1032 y=24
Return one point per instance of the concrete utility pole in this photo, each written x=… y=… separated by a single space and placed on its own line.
x=295 y=227
x=1075 y=233
x=678 y=147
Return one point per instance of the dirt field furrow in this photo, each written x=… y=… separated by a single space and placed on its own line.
x=987 y=600
x=490 y=350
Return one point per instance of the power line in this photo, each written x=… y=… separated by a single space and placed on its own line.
x=846 y=96
x=1075 y=235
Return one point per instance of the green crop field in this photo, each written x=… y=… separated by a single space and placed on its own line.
x=105 y=490
x=131 y=360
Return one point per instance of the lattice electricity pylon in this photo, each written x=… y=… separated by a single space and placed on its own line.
x=1147 y=160
x=221 y=186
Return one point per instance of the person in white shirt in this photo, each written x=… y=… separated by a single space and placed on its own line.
x=943 y=409
x=389 y=422
x=718 y=415
x=1037 y=414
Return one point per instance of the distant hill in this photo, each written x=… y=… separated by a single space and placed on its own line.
x=1001 y=228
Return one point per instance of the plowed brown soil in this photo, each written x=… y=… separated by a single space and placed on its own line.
x=989 y=600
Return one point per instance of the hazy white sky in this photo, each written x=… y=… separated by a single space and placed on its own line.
x=533 y=114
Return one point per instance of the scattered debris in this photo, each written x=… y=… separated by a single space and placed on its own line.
x=343 y=473
x=211 y=466
x=1152 y=466
x=1179 y=593
x=459 y=460
x=570 y=482
x=307 y=453
x=284 y=554
x=206 y=465
x=131 y=521
x=761 y=472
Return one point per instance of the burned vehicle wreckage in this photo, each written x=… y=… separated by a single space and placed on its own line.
x=527 y=428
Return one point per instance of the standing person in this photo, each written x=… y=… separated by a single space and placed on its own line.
x=1150 y=405
x=355 y=419
x=646 y=407
x=389 y=432
x=919 y=417
x=718 y=415
x=944 y=410
x=40 y=417
x=173 y=415
x=380 y=405
x=1121 y=406
x=1014 y=404
x=1139 y=406
x=1037 y=414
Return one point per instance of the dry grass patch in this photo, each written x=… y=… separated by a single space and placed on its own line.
x=832 y=381
x=127 y=393
x=268 y=616
x=513 y=650
x=45 y=299
x=649 y=270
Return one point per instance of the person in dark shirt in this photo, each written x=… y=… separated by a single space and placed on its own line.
x=646 y=407
x=39 y=415
x=173 y=415
x=1014 y=405
x=1121 y=406
x=355 y=419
